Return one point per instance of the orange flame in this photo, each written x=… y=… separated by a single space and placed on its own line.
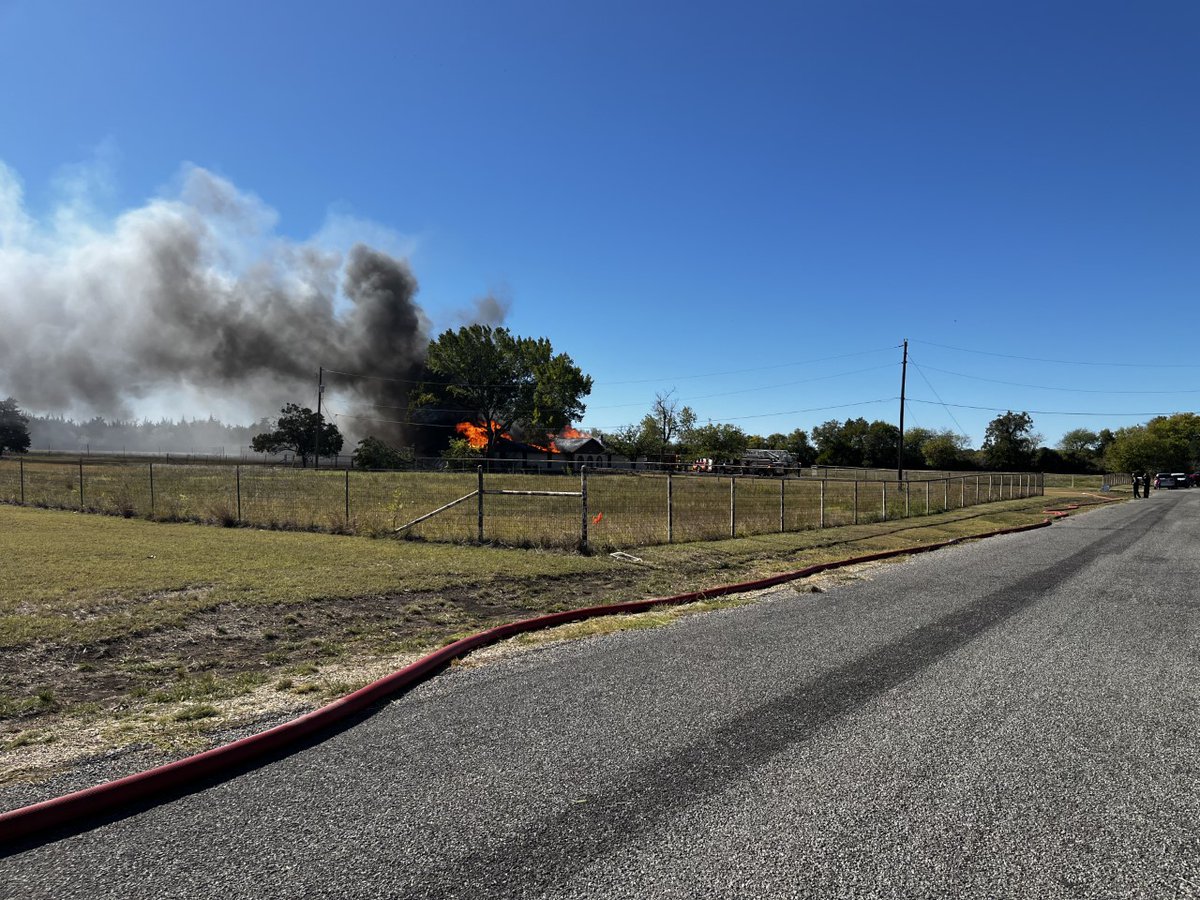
x=476 y=436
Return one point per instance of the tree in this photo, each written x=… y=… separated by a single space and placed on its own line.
x=945 y=450
x=1010 y=441
x=880 y=445
x=668 y=420
x=296 y=430
x=373 y=453
x=926 y=448
x=725 y=442
x=630 y=441
x=1078 y=450
x=1047 y=459
x=460 y=454
x=1078 y=441
x=857 y=443
x=504 y=381
x=835 y=443
x=795 y=443
x=1165 y=443
x=14 y=427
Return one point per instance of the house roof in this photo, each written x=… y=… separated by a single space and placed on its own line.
x=579 y=445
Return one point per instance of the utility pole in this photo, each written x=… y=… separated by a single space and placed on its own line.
x=903 y=377
x=317 y=440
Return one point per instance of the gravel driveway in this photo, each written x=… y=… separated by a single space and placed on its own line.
x=1011 y=718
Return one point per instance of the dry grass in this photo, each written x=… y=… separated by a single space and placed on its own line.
x=624 y=510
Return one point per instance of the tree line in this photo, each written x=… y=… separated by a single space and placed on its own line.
x=506 y=384
x=669 y=431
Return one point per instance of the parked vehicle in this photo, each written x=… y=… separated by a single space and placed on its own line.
x=1181 y=479
x=1164 y=480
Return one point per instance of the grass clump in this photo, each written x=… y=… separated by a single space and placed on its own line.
x=196 y=712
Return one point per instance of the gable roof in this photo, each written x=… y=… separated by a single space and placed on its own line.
x=579 y=445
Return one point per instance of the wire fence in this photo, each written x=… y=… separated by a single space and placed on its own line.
x=603 y=509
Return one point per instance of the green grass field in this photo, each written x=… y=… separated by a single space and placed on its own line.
x=121 y=631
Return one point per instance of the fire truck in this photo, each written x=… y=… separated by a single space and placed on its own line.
x=752 y=462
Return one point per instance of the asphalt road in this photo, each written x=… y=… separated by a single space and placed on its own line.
x=1012 y=718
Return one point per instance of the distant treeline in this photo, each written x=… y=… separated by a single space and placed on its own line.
x=200 y=436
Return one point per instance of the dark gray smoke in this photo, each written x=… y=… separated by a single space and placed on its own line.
x=192 y=305
x=488 y=310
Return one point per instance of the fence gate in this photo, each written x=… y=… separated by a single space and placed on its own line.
x=480 y=492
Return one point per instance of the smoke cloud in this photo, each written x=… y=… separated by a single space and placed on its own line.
x=192 y=304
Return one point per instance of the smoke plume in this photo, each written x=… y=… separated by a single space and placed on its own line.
x=190 y=305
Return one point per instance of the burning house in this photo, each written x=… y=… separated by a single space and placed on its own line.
x=559 y=453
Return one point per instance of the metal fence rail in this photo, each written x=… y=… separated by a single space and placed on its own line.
x=613 y=509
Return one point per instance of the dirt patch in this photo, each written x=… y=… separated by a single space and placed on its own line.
x=62 y=702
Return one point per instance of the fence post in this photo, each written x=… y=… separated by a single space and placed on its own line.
x=583 y=491
x=856 y=498
x=782 y=491
x=81 y=485
x=670 y=509
x=821 y=524
x=347 y=498
x=962 y=492
x=907 y=491
x=732 y=505
x=21 y=466
x=479 y=497
x=883 y=492
x=152 y=490
x=990 y=496
x=946 y=495
x=237 y=480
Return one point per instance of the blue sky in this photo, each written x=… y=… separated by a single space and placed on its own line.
x=752 y=206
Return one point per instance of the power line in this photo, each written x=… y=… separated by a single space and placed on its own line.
x=786 y=412
x=1048 y=388
x=1064 y=362
x=659 y=380
x=961 y=430
x=757 y=388
x=786 y=365
x=1042 y=412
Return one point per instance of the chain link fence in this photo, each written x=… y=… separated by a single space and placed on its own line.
x=603 y=509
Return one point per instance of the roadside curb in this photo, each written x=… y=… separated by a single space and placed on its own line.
x=165 y=782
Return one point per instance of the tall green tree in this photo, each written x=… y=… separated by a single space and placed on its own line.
x=719 y=441
x=296 y=429
x=1010 y=442
x=1078 y=449
x=857 y=442
x=945 y=449
x=14 y=427
x=504 y=381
